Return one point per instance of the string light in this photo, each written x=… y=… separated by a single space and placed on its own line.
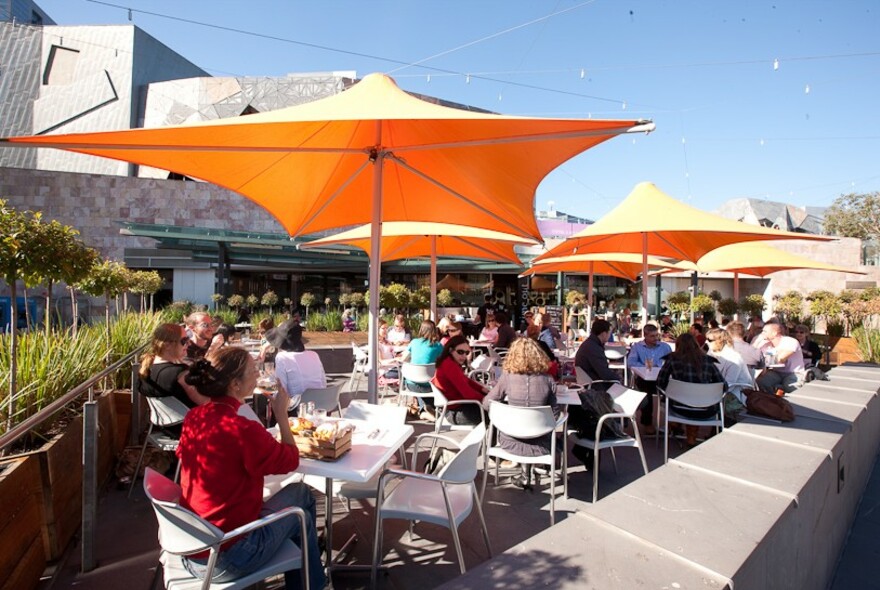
x=129 y=15
x=583 y=73
x=624 y=105
x=775 y=64
x=807 y=89
x=467 y=79
x=429 y=78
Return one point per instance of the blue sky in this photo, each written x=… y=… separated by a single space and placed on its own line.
x=730 y=124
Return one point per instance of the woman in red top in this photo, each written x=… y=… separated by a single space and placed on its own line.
x=455 y=385
x=223 y=458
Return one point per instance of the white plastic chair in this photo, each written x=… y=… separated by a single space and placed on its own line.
x=360 y=367
x=415 y=374
x=696 y=395
x=325 y=398
x=445 y=499
x=443 y=405
x=182 y=532
x=581 y=378
x=524 y=423
x=164 y=411
x=627 y=402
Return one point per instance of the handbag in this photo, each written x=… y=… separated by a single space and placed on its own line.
x=769 y=406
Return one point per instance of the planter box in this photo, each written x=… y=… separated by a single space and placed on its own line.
x=22 y=553
x=844 y=350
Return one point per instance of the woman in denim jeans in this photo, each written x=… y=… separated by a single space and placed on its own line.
x=224 y=457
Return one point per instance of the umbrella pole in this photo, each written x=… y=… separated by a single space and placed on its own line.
x=644 y=280
x=736 y=293
x=590 y=299
x=375 y=273
x=434 y=278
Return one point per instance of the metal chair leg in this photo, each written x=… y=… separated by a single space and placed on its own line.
x=137 y=469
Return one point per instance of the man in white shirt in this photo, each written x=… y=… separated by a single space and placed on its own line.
x=787 y=352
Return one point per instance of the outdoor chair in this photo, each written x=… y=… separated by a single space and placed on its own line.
x=524 y=423
x=445 y=499
x=581 y=378
x=360 y=367
x=325 y=398
x=443 y=406
x=627 y=402
x=696 y=395
x=415 y=374
x=164 y=412
x=182 y=532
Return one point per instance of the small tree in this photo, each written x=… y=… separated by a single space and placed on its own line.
x=753 y=304
x=728 y=307
x=790 y=306
x=252 y=301
x=573 y=297
x=715 y=295
x=702 y=303
x=146 y=282
x=108 y=278
x=679 y=303
x=235 y=301
x=357 y=300
x=307 y=300
x=270 y=300
x=826 y=305
x=397 y=297
x=444 y=298
x=217 y=298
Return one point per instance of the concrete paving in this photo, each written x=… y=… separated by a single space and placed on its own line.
x=518 y=522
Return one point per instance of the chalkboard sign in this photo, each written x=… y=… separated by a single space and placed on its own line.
x=524 y=304
x=555 y=312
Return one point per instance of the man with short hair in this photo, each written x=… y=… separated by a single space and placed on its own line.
x=591 y=353
x=653 y=350
x=506 y=333
x=786 y=351
x=201 y=331
x=696 y=331
x=750 y=354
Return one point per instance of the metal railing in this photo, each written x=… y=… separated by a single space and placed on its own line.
x=90 y=442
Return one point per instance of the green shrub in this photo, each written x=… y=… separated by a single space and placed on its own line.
x=176 y=312
x=752 y=304
x=728 y=307
x=679 y=303
x=702 y=303
x=868 y=341
x=332 y=321
x=790 y=306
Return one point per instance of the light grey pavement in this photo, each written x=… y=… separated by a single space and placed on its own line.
x=127 y=550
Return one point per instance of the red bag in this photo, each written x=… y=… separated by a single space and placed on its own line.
x=770 y=406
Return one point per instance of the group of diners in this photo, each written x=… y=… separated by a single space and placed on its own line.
x=223 y=452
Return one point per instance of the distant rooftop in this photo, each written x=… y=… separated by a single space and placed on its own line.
x=774 y=214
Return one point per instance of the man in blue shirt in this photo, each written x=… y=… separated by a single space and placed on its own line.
x=653 y=350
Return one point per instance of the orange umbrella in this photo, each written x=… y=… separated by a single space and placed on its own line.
x=373 y=153
x=650 y=222
x=402 y=239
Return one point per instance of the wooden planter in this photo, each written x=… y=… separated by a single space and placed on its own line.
x=843 y=350
x=22 y=553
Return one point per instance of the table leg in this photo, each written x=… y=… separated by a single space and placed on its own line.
x=328 y=520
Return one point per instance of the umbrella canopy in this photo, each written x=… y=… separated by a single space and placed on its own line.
x=373 y=153
x=617 y=264
x=404 y=239
x=312 y=165
x=452 y=283
x=757 y=259
x=650 y=222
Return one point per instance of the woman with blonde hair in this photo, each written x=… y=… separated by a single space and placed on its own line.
x=162 y=370
x=525 y=382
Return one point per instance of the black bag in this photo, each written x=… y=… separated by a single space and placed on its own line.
x=595 y=403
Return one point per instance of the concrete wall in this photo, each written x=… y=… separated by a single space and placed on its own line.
x=762 y=505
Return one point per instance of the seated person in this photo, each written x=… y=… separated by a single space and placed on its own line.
x=533 y=332
x=506 y=333
x=809 y=348
x=267 y=351
x=223 y=460
x=591 y=357
x=489 y=333
x=787 y=351
x=399 y=333
x=696 y=330
x=163 y=373
x=525 y=382
x=201 y=341
x=455 y=385
x=689 y=363
x=296 y=368
x=424 y=350
x=731 y=363
x=348 y=323
x=651 y=351
x=750 y=354
x=454 y=329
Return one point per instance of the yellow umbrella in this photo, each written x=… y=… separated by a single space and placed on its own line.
x=373 y=153
x=404 y=239
x=650 y=222
x=757 y=259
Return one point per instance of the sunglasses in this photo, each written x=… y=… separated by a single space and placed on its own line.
x=462 y=351
x=204 y=325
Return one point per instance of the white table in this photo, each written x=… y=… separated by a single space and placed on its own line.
x=372 y=446
x=567 y=396
x=645 y=374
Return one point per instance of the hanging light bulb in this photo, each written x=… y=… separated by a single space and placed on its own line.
x=807 y=89
x=583 y=73
x=429 y=78
x=775 y=64
x=129 y=14
x=499 y=97
x=624 y=105
x=762 y=141
x=683 y=140
x=467 y=79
